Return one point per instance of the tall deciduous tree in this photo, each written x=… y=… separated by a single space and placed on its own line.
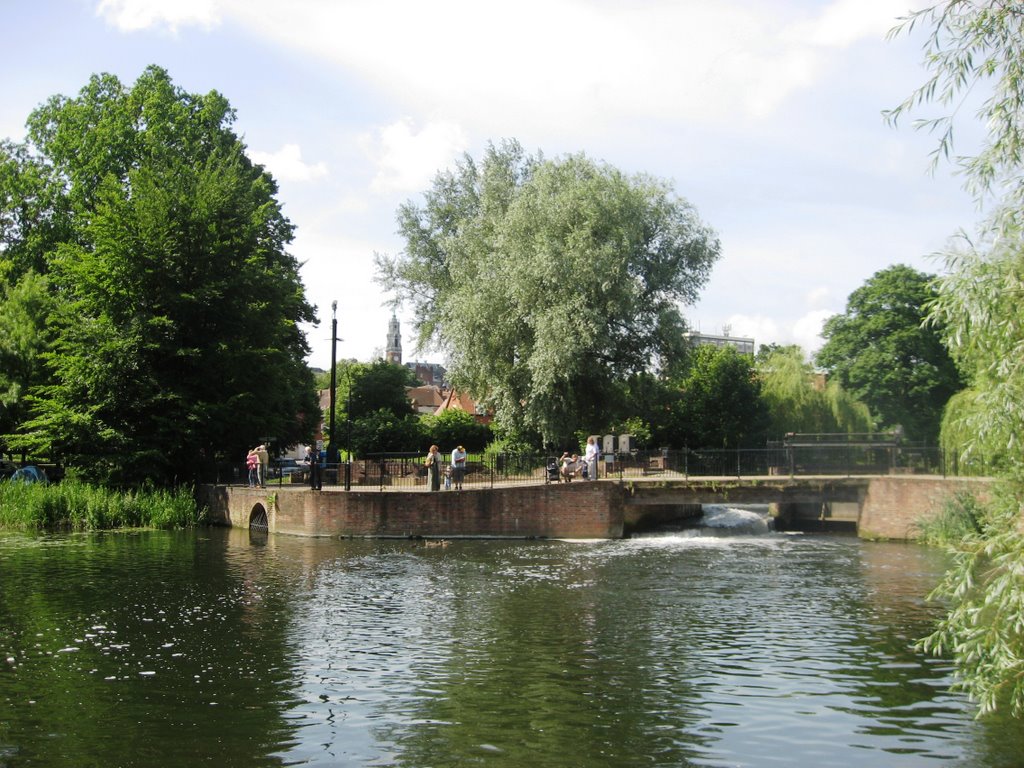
x=719 y=402
x=882 y=354
x=548 y=282
x=176 y=337
x=24 y=306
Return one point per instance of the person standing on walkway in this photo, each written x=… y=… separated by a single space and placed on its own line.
x=591 y=457
x=316 y=482
x=264 y=457
x=433 y=465
x=458 y=467
x=252 y=463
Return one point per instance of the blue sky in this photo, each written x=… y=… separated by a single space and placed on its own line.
x=764 y=114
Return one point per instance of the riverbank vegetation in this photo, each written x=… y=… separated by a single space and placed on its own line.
x=77 y=506
x=151 y=316
x=961 y=516
x=976 y=49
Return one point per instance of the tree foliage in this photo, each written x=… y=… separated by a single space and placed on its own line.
x=800 y=400
x=379 y=385
x=24 y=306
x=974 y=48
x=978 y=48
x=174 y=331
x=984 y=628
x=452 y=427
x=880 y=351
x=719 y=403
x=548 y=282
x=981 y=305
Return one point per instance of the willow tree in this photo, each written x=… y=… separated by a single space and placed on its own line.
x=801 y=400
x=174 y=336
x=548 y=283
x=978 y=47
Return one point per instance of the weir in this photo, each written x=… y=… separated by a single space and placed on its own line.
x=877 y=507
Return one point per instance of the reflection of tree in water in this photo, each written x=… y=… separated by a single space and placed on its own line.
x=531 y=668
x=903 y=684
x=143 y=648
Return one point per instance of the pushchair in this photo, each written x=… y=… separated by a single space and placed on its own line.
x=551 y=470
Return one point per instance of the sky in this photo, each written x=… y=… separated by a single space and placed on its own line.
x=765 y=115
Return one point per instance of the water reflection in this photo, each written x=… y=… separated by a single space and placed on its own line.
x=686 y=648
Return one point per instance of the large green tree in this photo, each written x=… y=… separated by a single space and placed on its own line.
x=978 y=48
x=175 y=337
x=548 y=282
x=24 y=306
x=883 y=354
x=718 y=403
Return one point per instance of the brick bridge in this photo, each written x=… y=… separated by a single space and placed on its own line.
x=879 y=506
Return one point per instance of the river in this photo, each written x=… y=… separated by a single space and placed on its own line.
x=727 y=645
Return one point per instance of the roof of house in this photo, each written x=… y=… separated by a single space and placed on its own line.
x=425 y=396
x=460 y=401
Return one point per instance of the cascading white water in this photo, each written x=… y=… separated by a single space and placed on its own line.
x=735 y=520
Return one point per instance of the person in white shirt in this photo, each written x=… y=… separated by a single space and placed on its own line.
x=590 y=457
x=458 y=467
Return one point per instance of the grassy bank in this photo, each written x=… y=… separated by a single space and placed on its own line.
x=77 y=506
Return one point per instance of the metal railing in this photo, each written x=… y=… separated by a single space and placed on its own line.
x=406 y=471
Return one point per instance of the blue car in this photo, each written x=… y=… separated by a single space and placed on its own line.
x=29 y=474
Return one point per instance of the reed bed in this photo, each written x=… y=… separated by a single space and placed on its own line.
x=73 y=505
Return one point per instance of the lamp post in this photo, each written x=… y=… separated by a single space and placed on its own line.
x=348 y=432
x=332 y=448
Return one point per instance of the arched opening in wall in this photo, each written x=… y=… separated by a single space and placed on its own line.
x=258 y=519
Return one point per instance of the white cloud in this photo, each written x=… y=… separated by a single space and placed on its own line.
x=849 y=21
x=286 y=164
x=408 y=159
x=574 y=67
x=807 y=330
x=555 y=65
x=135 y=15
x=757 y=327
x=817 y=296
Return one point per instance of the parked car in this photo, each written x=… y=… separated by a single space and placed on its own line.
x=284 y=467
x=30 y=474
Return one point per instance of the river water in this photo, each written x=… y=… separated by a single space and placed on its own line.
x=727 y=645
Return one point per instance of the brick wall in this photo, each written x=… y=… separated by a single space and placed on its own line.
x=580 y=510
x=891 y=509
x=894 y=505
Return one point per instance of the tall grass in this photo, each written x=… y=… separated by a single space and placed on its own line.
x=961 y=516
x=77 y=506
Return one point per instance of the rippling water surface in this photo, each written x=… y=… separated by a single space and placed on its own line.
x=724 y=646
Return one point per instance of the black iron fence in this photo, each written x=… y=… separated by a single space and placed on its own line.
x=406 y=471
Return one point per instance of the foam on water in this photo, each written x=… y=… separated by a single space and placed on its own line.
x=734 y=518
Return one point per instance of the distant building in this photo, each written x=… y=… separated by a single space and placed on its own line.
x=393 y=350
x=431 y=374
x=742 y=344
x=456 y=401
x=425 y=399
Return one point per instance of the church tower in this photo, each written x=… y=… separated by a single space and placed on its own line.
x=393 y=351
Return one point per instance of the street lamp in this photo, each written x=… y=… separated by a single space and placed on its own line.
x=348 y=432
x=332 y=448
